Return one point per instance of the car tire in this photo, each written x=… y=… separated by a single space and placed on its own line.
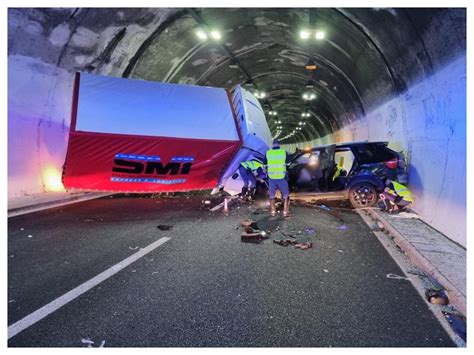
x=363 y=194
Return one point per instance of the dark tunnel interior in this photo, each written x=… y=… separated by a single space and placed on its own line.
x=367 y=56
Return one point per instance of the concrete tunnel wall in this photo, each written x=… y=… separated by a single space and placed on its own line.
x=427 y=124
x=427 y=121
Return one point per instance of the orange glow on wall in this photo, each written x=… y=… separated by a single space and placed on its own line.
x=52 y=179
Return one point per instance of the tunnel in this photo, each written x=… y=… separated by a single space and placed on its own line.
x=322 y=75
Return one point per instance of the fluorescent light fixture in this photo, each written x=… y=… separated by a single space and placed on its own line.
x=311 y=65
x=320 y=34
x=215 y=34
x=233 y=64
x=201 y=34
x=310 y=83
x=304 y=34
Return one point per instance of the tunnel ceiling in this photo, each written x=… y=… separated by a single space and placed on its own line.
x=366 y=57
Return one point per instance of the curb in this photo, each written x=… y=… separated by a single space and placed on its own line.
x=57 y=203
x=456 y=298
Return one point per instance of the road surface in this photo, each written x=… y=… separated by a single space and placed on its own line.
x=204 y=287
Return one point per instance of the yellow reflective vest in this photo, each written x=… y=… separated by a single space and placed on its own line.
x=276 y=163
x=402 y=191
x=251 y=164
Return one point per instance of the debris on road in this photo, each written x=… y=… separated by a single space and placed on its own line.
x=397 y=277
x=22 y=229
x=164 y=227
x=324 y=208
x=457 y=322
x=133 y=248
x=343 y=227
x=247 y=222
x=30 y=236
x=206 y=202
x=437 y=297
x=303 y=246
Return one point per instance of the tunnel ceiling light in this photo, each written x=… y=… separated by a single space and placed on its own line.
x=259 y=94
x=233 y=64
x=201 y=34
x=248 y=83
x=215 y=34
x=320 y=35
x=309 y=96
x=311 y=65
x=310 y=83
x=304 y=34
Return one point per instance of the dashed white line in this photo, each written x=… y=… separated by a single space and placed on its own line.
x=53 y=306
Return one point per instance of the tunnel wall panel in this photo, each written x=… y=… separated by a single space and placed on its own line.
x=39 y=108
x=428 y=124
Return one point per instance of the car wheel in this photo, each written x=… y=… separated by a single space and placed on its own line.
x=363 y=194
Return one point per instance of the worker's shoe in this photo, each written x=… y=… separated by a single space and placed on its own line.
x=272 y=207
x=286 y=207
x=243 y=193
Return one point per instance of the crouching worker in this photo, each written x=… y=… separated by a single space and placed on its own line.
x=276 y=160
x=396 y=196
x=247 y=170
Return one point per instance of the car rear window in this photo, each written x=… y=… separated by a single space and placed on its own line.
x=372 y=153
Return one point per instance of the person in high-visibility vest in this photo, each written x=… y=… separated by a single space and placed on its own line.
x=247 y=171
x=276 y=160
x=397 y=197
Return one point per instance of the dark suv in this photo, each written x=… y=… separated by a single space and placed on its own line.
x=353 y=171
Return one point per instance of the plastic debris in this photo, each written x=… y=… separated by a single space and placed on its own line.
x=207 y=202
x=310 y=230
x=457 y=322
x=133 y=248
x=437 y=297
x=30 y=236
x=324 y=208
x=380 y=225
x=325 y=270
x=164 y=227
x=397 y=277
x=22 y=229
x=303 y=246
x=247 y=222
x=343 y=227
x=253 y=236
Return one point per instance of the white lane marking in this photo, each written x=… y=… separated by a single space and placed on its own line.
x=53 y=306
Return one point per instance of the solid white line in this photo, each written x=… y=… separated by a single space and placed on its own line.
x=53 y=306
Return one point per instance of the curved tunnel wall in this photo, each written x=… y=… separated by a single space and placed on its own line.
x=400 y=76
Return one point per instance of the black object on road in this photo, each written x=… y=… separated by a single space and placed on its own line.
x=164 y=227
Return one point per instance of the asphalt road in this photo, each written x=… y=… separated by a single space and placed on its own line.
x=204 y=287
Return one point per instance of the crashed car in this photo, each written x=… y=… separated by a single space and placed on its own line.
x=353 y=171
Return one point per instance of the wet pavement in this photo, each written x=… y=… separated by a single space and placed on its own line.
x=204 y=287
